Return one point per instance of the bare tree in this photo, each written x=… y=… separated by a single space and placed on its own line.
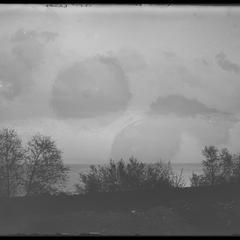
x=45 y=171
x=226 y=164
x=211 y=164
x=219 y=167
x=11 y=162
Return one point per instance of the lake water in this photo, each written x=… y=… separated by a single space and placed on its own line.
x=75 y=169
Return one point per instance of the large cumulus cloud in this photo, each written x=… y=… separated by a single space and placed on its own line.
x=90 y=88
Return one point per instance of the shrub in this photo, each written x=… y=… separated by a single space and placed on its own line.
x=219 y=167
x=197 y=180
x=126 y=176
x=177 y=180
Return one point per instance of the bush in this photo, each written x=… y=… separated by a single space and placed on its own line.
x=127 y=176
x=198 y=180
x=219 y=167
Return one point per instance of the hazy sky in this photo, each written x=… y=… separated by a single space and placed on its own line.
x=154 y=82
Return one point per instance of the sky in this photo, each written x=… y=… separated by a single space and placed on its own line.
x=154 y=82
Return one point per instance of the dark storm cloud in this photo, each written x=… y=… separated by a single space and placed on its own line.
x=226 y=64
x=90 y=88
x=180 y=106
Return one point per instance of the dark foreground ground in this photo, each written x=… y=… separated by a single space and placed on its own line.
x=200 y=211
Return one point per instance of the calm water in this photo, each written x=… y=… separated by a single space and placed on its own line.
x=75 y=169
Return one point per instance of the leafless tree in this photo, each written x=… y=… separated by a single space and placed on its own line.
x=11 y=162
x=45 y=171
x=219 y=167
x=211 y=164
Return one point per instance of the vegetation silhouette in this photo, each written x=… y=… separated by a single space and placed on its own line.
x=11 y=162
x=117 y=197
x=129 y=176
x=219 y=167
x=34 y=169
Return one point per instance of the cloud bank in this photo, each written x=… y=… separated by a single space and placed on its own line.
x=90 y=88
x=180 y=106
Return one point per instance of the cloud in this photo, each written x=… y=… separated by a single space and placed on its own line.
x=90 y=88
x=79 y=145
x=227 y=65
x=24 y=35
x=30 y=52
x=189 y=151
x=148 y=141
x=169 y=138
x=26 y=52
x=14 y=77
x=49 y=36
x=130 y=59
x=30 y=46
x=169 y=55
x=180 y=106
x=234 y=138
x=202 y=61
x=27 y=15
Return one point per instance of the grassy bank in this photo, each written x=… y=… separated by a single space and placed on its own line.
x=187 y=211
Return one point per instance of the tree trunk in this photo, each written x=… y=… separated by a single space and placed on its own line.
x=8 y=182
